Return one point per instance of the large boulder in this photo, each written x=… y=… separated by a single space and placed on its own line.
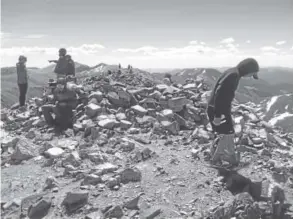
x=130 y=175
x=24 y=150
x=177 y=104
x=92 y=110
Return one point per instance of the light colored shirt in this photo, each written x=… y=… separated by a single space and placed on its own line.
x=21 y=73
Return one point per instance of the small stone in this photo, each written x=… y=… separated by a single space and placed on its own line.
x=132 y=203
x=54 y=152
x=92 y=110
x=108 y=123
x=114 y=212
x=75 y=200
x=94 y=215
x=67 y=143
x=72 y=159
x=151 y=213
x=146 y=153
x=91 y=179
x=39 y=209
x=139 y=110
x=112 y=182
x=24 y=150
x=130 y=175
x=172 y=127
x=30 y=135
x=97 y=95
x=126 y=145
x=106 y=168
x=97 y=158
x=257 y=140
x=124 y=124
x=195 y=153
x=50 y=182
x=133 y=131
x=177 y=103
x=121 y=116
x=9 y=142
x=265 y=152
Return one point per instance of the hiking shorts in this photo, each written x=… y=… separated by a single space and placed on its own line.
x=225 y=128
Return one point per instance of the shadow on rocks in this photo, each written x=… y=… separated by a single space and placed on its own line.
x=262 y=191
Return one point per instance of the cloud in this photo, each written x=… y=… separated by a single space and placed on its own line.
x=144 y=49
x=202 y=43
x=269 y=49
x=194 y=42
x=248 y=41
x=85 y=49
x=227 y=40
x=34 y=36
x=292 y=48
x=279 y=43
x=232 y=48
x=5 y=35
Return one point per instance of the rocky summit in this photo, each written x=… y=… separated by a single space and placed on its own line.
x=138 y=149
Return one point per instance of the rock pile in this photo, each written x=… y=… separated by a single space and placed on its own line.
x=114 y=126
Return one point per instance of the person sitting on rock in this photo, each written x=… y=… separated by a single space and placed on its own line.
x=169 y=76
x=219 y=110
x=65 y=100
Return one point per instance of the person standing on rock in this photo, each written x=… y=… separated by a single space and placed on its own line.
x=61 y=68
x=71 y=66
x=219 y=110
x=22 y=79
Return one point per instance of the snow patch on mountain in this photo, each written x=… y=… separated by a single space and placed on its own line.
x=271 y=102
x=280 y=117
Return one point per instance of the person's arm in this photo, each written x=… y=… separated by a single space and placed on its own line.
x=225 y=94
x=55 y=61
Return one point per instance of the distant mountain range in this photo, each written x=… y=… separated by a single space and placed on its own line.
x=38 y=78
x=249 y=89
x=278 y=110
x=272 y=82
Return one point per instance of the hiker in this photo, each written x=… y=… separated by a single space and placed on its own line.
x=119 y=66
x=65 y=100
x=71 y=66
x=22 y=79
x=219 y=110
x=61 y=68
x=168 y=79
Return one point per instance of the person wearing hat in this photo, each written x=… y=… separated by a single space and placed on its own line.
x=22 y=79
x=219 y=110
x=61 y=67
x=65 y=100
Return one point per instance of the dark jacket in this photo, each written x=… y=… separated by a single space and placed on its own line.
x=71 y=68
x=66 y=96
x=61 y=66
x=21 y=73
x=225 y=87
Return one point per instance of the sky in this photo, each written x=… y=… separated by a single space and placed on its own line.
x=148 y=33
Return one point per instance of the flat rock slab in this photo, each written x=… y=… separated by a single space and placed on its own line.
x=150 y=213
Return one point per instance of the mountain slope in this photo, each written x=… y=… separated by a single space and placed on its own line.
x=38 y=78
x=248 y=90
x=278 y=111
